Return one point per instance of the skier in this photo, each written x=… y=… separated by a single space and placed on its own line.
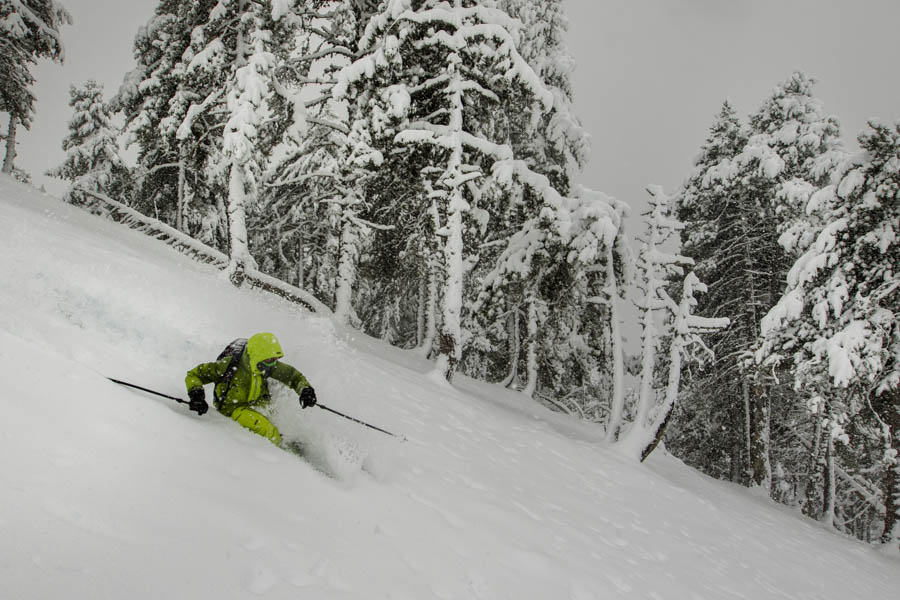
x=242 y=383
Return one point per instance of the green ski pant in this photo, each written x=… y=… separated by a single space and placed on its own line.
x=257 y=423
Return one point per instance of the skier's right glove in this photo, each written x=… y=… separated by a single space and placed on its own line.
x=307 y=397
x=198 y=401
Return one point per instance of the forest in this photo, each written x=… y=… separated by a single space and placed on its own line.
x=410 y=167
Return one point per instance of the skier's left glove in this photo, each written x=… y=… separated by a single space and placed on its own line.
x=307 y=397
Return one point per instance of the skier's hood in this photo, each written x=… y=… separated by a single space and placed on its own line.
x=263 y=346
x=260 y=347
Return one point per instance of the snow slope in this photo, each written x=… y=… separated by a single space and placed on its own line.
x=110 y=493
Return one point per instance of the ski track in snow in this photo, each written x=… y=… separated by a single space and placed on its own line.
x=108 y=492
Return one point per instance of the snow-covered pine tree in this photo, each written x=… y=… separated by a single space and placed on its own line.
x=92 y=154
x=319 y=193
x=795 y=146
x=314 y=199
x=553 y=142
x=561 y=273
x=684 y=341
x=708 y=427
x=16 y=97
x=656 y=269
x=790 y=152
x=221 y=107
x=29 y=30
x=571 y=350
x=445 y=120
x=230 y=51
x=297 y=242
x=837 y=322
x=580 y=346
x=155 y=98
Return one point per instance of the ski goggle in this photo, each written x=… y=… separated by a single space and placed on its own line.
x=266 y=364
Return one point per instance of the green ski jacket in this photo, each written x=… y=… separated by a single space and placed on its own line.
x=249 y=387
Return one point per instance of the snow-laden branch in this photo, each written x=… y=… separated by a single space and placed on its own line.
x=442 y=135
x=212 y=52
x=457 y=28
x=299 y=120
x=303 y=178
x=45 y=28
x=185 y=129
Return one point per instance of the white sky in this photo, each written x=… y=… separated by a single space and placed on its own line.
x=651 y=74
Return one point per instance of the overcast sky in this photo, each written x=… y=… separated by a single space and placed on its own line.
x=651 y=74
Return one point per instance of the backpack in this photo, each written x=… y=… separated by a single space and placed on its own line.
x=235 y=349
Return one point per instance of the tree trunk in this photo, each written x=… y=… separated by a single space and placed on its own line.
x=450 y=347
x=223 y=241
x=420 y=311
x=182 y=175
x=672 y=386
x=811 y=492
x=888 y=408
x=430 y=312
x=736 y=471
x=237 y=183
x=237 y=227
x=531 y=347
x=514 y=349
x=648 y=363
x=617 y=410
x=9 y=161
x=830 y=487
x=658 y=435
x=301 y=268
x=891 y=489
x=447 y=348
x=756 y=407
x=343 y=302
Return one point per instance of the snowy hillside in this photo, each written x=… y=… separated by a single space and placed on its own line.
x=111 y=493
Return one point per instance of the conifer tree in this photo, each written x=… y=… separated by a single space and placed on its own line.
x=551 y=143
x=315 y=205
x=29 y=30
x=324 y=183
x=242 y=48
x=216 y=105
x=722 y=234
x=92 y=154
x=155 y=98
x=837 y=322
x=789 y=154
x=564 y=268
x=297 y=241
x=530 y=255
x=445 y=118
x=685 y=339
x=656 y=268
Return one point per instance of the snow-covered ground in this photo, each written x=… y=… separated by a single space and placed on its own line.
x=111 y=493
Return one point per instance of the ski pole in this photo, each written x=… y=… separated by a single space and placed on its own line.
x=143 y=389
x=349 y=418
x=331 y=410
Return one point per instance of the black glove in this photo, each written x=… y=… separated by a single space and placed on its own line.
x=307 y=397
x=198 y=401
